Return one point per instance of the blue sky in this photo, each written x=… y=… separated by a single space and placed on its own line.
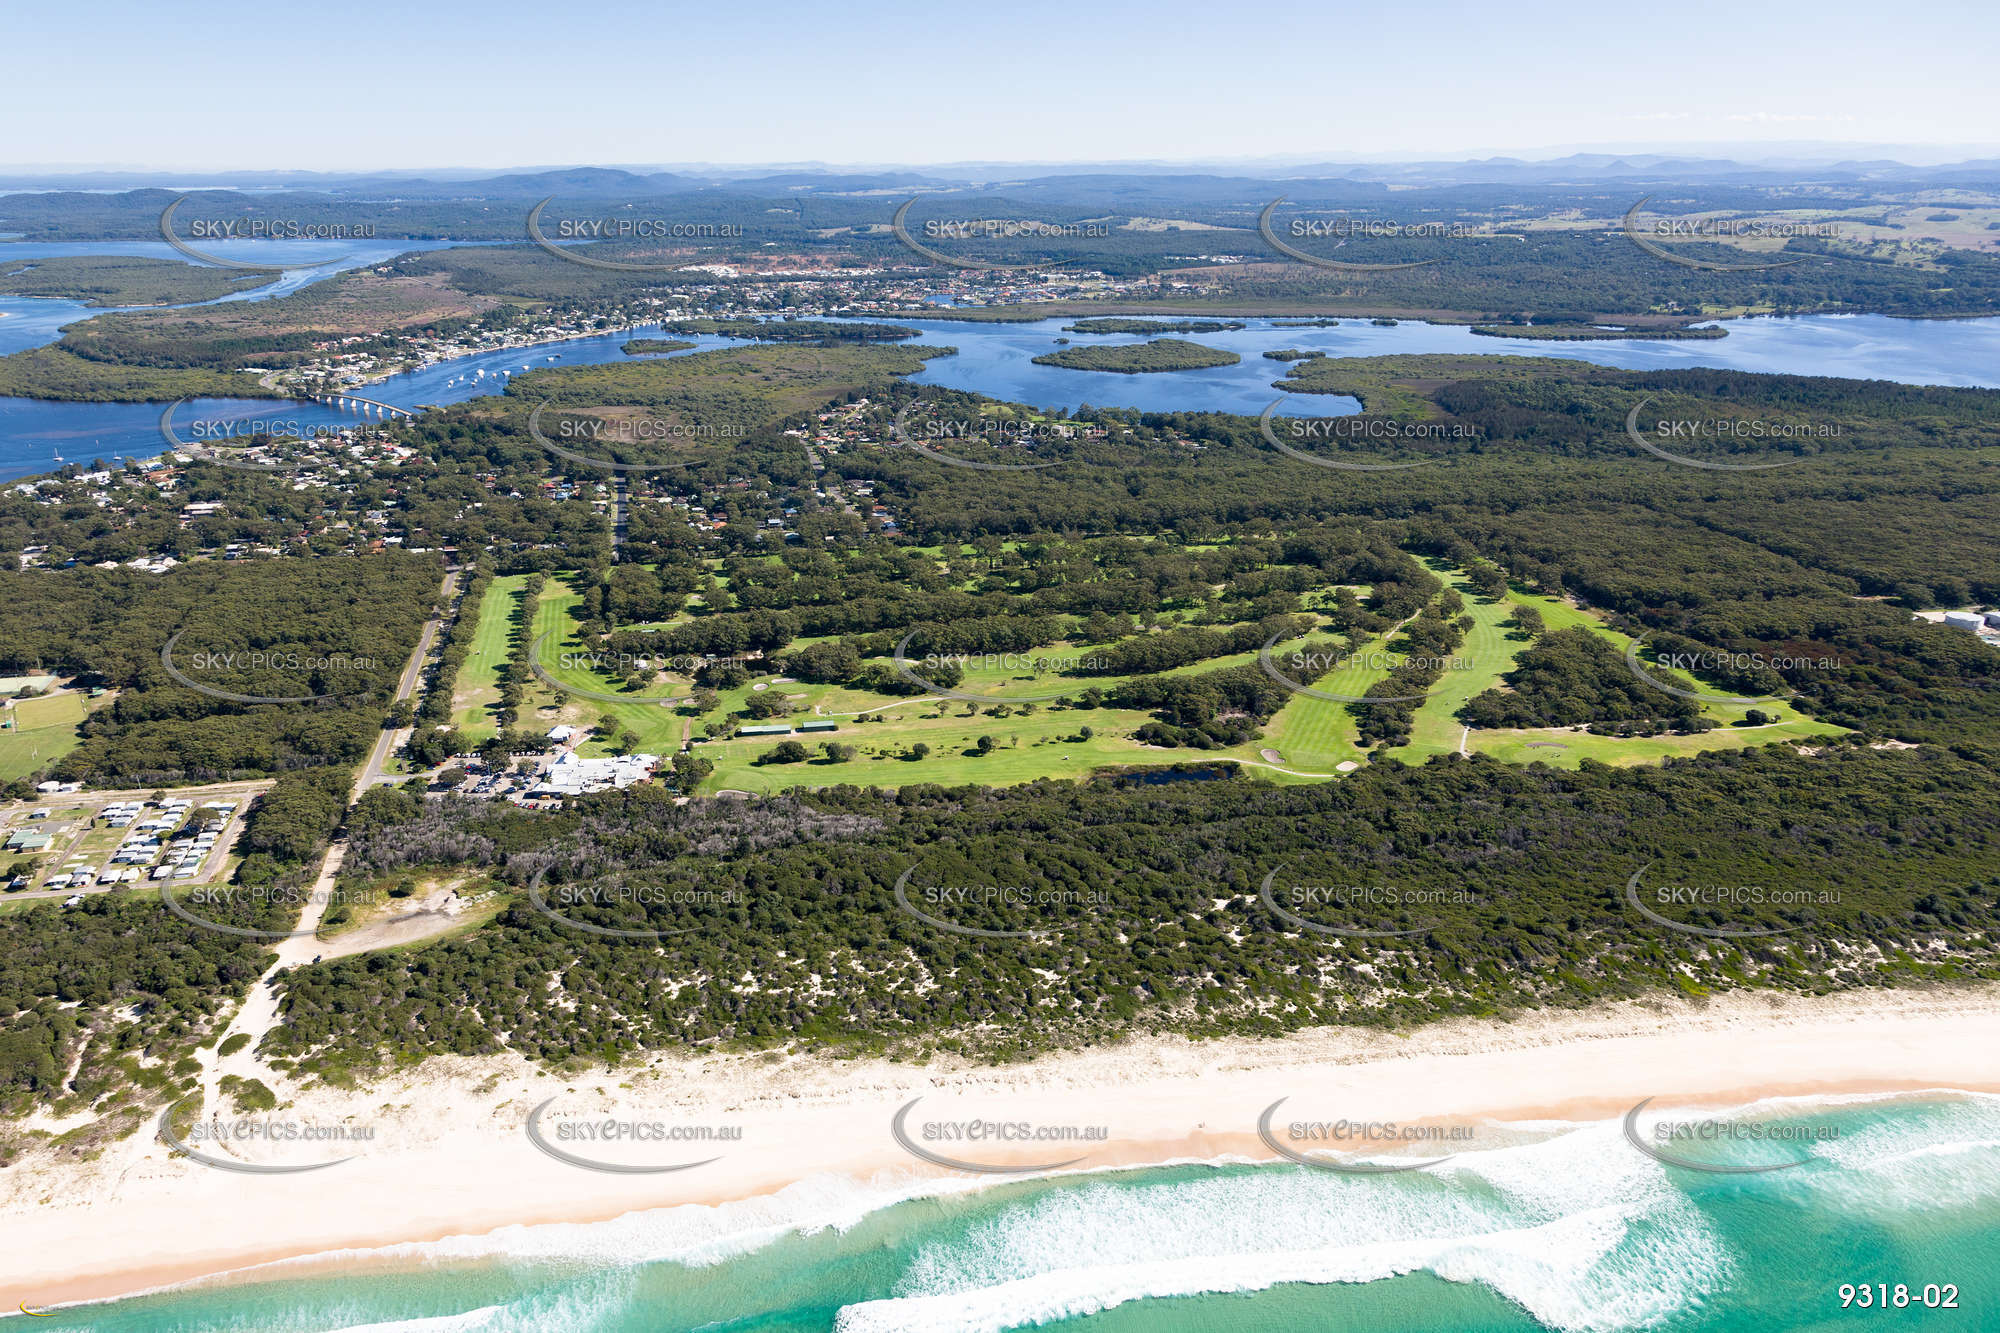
x=503 y=83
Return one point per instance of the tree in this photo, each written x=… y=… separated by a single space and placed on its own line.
x=785 y=752
x=837 y=753
x=688 y=772
x=766 y=704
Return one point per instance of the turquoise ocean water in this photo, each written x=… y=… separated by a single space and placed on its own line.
x=1564 y=1227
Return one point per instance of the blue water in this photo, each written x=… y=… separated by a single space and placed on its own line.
x=997 y=360
x=1569 y=1228
x=324 y=258
x=38 y=436
x=34 y=432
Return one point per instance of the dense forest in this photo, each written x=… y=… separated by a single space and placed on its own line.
x=1528 y=866
x=1162 y=544
x=1160 y=354
x=334 y=632
x=1572 y=677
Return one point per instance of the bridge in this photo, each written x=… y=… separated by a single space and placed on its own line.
x=355 y=402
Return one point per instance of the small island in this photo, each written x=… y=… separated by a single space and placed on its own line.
x=1592 y=332
x=793 y=330
x=655 y=346
x=113 y=281
x=1141 y=358
x=1292 y=354
x=1305 y=323
x=1153 y=326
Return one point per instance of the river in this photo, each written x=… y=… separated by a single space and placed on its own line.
x=998 y=360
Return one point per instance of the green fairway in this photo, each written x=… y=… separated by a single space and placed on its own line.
x=1039 y=745
x=1313 y=735
x=1489 y=652
x=477 y=689
x=1308 y=740
x=1493 y=650
x=1568 y=749
x=1031 y=741
x=657 y=725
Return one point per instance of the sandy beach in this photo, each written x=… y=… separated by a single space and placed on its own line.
x=449 y=1154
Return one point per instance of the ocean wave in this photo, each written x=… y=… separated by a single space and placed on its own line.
x=697 y=1235
x=1489 y=1216
x=594 y=1303
x=1543 y=1223
x=1923 y=1155
x=1554 y=1271
x=482 y=1320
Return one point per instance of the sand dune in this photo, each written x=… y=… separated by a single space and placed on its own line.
x=449 y=1154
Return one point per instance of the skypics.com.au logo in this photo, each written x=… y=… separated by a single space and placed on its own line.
x=1308 y=1142
x=242 y=229
x=1345 y=432
x=992 y=1136
x=1649 y=237
x=1725 y=909
x=220 y=442
x=623 y=228
x=247 y=661
x=1364 y=911
x=625 y=1145
x=1313 y=663
x=1008 y=911
x=1000 y=434
x=596 y=433
x=990 y=230
x=1342 y=228
x=1685 y=432
x=590 y=905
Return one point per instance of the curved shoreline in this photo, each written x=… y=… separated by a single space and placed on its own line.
x=137 y=1221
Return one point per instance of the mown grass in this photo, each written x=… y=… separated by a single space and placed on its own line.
x=1312 y=737
x=1493 y=648
x=477 y=688
x=44 y=731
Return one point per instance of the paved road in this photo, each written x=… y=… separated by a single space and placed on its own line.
x=413 y=673
x=259 y=1012
x=826 y=483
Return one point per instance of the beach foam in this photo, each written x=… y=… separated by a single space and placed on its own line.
x=1530 y=1221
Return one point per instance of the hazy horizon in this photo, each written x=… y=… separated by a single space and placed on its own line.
x=1171 y=82
x=1766 y=153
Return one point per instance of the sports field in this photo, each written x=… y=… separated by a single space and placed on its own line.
x=44 y=731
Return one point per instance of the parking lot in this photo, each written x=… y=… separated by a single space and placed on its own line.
x=63 y=845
